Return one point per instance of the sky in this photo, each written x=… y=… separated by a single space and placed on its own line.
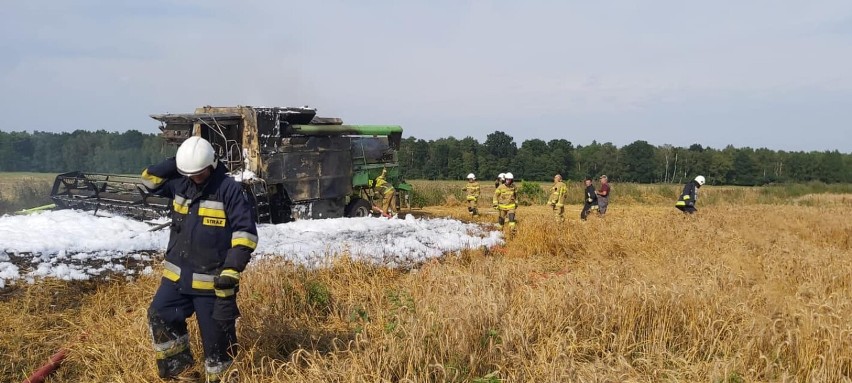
x=60 y=244
x=762 y=73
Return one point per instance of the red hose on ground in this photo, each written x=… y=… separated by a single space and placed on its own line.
x=380 y=211
x=52 y=364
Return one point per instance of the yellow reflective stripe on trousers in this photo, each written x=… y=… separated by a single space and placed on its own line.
x=171 y=271
x=202 y=281
x=507 y=206
x=151 y=181
x=171 y=348
x=180 y=205
x=213 y=209
x=243 y=238
x=216 y=371
x=686 y=197
x=680 y=203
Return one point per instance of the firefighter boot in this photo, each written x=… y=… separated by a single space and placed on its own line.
x=217 y=372
x=177 y=367
x=500 y=222
x=475 y=212
x=171 y=344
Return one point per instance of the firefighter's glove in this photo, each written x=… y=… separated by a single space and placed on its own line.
x=589 y=199
x=226 y=283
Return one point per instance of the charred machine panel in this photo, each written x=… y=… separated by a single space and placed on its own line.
x=293 y=164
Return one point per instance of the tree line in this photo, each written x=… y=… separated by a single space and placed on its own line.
x=537 y=160
x=451 y=158
x=99 y=151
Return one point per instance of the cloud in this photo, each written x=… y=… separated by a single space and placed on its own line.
x=471 y=65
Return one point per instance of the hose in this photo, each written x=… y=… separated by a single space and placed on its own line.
x=48 y=368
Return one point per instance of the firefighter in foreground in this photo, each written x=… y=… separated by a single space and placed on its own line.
x=386 y=192
x=557 y=197
x=211 y=241
x=686 y=202
x=472 y=189
x=505 y=201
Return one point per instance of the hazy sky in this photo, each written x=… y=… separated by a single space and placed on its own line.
x=770 y=74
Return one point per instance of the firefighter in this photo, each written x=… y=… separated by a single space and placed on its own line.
x=590 y=199
x=505 y=201
x=557 y=197
x=386 y=191
x=500 y=179
x=211 y=241
x=686 y=202
x=472 y=189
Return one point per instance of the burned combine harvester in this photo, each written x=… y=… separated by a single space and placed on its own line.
x=293 y=164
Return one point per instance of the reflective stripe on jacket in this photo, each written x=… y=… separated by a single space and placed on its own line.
x=383 y=186
x=472 y=189
x=505 y=197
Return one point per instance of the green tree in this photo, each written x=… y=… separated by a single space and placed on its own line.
x=831 y=167
x=637 y=161
x=744 y=169
x=562 y=158
x=470 y=149
x=719 y=164
x=499 y=152
x=533 y=161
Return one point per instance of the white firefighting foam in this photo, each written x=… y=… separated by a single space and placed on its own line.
x=77 y=245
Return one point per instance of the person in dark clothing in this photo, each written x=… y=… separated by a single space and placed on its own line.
x=603 y=196
x=212 y=237
x=589 y=199
x=686 y=202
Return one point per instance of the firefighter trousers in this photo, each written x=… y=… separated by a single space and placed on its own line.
x=506 y=214
x=216 y=318
x=388 y=199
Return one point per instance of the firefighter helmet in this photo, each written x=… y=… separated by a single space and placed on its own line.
x=194 y=155
x=471 y=176
x=509 y=176
x=700 y=180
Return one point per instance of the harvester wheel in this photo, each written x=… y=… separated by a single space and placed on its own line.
x=359 y=208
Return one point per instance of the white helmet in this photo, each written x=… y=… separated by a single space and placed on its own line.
x=194 y=155
x=501 y=176
x=471 y=176
x=700 y=180
x=509 y=176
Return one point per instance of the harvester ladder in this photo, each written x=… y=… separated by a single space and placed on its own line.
x=261 y=200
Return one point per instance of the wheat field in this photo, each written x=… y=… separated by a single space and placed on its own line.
x=745 y=291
